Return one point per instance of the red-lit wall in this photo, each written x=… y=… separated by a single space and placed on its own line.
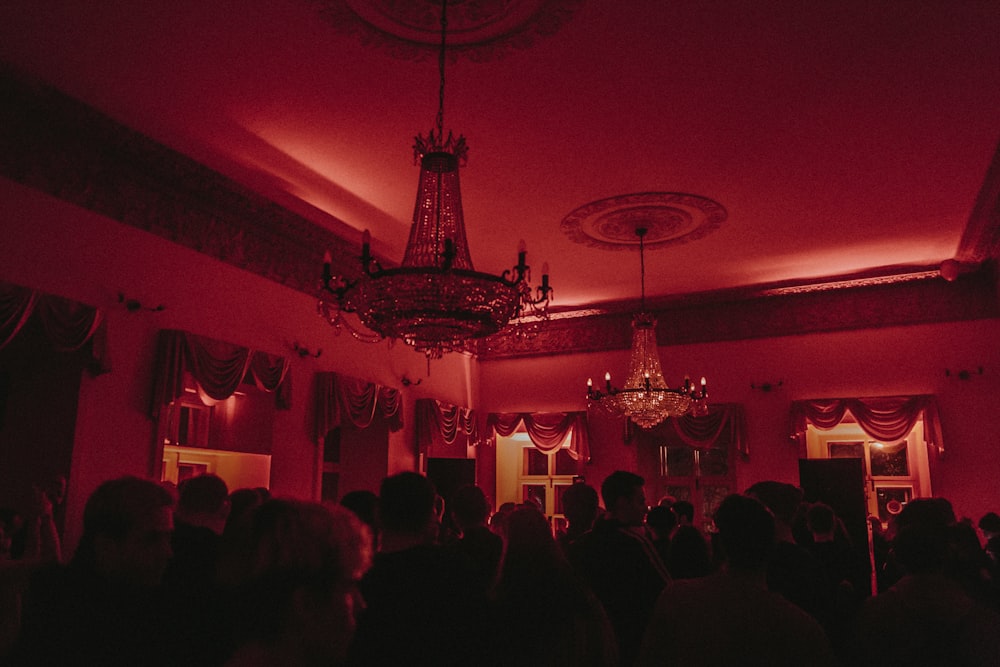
x=62 y=249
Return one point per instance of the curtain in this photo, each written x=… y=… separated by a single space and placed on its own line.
x=341 y=399
x=547 y=430
x=68 y=324
x=218 y=367
x=883 y=418
x=724 y=425
x=440 y=422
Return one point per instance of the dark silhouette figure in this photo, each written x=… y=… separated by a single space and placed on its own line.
x=364 y=504
x=296 y=586
x=620 y=564
x=198 y=607
x=425 y=603
x=661 y=522
x=793 y=572
x=689 y=556
x=470 y=511
x=927 y=617
x=536 y=575
x=580 y=507
x=684 y=511
x=730 y=618
x=107 y=606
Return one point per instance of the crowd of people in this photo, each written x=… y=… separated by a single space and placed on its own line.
x=202 y=576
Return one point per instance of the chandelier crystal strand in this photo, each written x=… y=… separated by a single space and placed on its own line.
x=435 y=301
x=646 y=399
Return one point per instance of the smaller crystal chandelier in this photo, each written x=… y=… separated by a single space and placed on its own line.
x=646 y=399
x=435 y=301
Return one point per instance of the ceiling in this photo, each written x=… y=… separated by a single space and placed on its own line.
x=836 y=138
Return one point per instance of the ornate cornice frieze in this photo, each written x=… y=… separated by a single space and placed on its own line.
x=60 y=146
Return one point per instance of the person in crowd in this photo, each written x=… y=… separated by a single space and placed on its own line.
x=500 y=516
x=661 y=523
x=364 y=504
x=43 y=547
x=536 y=575
x=107 y=606
x=190 y=580
x=730 y=618
x=684 y=511
x=793 y=572
x=425 y=604
x=620 y=564
x=202 y=510
x=580 y=507
x=689 y=555
x=989 y=524
x=297 y=585
x=470 y=511
x=927 y=617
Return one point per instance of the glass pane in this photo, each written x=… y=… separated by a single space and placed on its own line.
x=679 y=492
x=565 y=465
x=535 y=462
x=714 y=463
x=678 y=462
x=889 y=460
x=534 y=493
x=849 y=450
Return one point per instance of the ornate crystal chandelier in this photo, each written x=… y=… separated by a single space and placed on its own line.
x=435 y=301
x=646 y=399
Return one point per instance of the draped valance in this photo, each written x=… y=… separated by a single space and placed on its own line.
x=547 y=430
x=440 y=422
x=883 y=418
x=67 y=324
x=341 y=399
x=723 y=426
x=218 y=367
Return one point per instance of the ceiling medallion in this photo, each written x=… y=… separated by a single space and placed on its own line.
x=670 y=218
x=480 y=30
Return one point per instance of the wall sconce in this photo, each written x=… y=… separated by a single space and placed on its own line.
x=134 y=305
x=306 y=352
x=963 y=374
x=766 y=386
x=407 y=382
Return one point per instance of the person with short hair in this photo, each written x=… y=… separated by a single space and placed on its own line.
x=106 y=607
x=620 y=564
x=730 y=618
x=425 y=603
x=297 y=589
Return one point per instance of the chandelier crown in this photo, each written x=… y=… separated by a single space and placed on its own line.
x=645 y=398
x=435 y=301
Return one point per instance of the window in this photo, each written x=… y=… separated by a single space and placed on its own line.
x=894 y=472
x=527 y=474
x=702 y=477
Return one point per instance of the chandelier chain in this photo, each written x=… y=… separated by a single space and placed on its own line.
x=441 y=56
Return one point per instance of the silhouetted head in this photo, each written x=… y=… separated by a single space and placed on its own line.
x=297 y=581
x=662 y=520
x=580 y=505
x=364 y=504
x=470 y=507
x=781 y=498
x=922 y=535
x=127 y=526
x=624 y=497
x=406 y=503
x=202 y=494
x=684 y=511
x=746 y=532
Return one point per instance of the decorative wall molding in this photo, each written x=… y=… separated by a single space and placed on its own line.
x=55 y=144
x=59 y=146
